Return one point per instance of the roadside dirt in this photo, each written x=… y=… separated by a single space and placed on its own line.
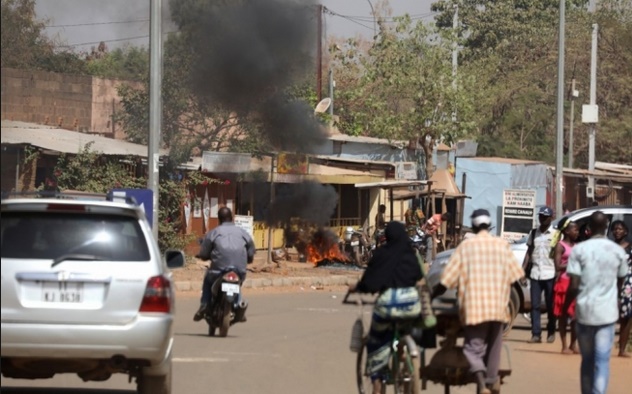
x=194 y=272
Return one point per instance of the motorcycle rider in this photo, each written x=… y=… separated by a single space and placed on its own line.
x=226 y=245
x=380 y=223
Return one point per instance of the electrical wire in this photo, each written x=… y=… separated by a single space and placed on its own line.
x=99 y=23
x=112 y=40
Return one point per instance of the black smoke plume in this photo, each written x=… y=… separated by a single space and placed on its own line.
x=248 y=52
x=311 y=201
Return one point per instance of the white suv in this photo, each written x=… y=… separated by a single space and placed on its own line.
x=86 y=291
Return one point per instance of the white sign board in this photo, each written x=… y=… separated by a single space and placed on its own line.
x=518 y=215
x=245 y=222
x=225 y=162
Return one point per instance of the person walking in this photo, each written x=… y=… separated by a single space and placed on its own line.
x=619 y=231
x=569 y=232
x=540 y=270
x=594 y=266
x=414 y=218
x=483 y=269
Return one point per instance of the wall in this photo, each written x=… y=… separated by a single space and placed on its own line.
x=72 y=102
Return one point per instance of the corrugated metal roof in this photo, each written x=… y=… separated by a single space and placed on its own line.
x=391 y=184
x=67 y=141
x=367 y=140
x=505 y=160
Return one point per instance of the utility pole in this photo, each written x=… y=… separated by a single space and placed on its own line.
x=319 y=55
x=332 y=85
x=155 y=106
x=455 y=45
x=590 y=190
x=270 y=224
x=559 y=154
x=574 y=95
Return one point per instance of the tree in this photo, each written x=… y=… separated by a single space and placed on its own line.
x=129 y=63
x=24 y=44
x=512 y=46
x=405 y=88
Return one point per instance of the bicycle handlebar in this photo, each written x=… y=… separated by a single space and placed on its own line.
x=358 y=301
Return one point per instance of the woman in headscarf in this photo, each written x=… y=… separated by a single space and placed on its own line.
x=565 y=241
x=393 y=273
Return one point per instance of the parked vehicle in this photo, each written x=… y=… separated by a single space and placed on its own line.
x=357 y=246
x=227 y=306
x=85 y=291
x=520 y=299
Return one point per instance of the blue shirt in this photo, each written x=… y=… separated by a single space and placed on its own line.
x=228 y=245
x=597 y=262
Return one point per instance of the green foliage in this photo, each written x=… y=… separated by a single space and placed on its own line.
x=93 y=172
x=512 y=48
x=130 y=63
x=24 y=44
x=405 y=89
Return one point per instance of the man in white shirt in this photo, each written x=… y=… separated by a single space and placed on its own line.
x=540 y=270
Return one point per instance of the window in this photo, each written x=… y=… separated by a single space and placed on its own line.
x=45 y=235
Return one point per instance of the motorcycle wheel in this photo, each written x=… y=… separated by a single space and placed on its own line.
x=223 y=330
x=211 y=330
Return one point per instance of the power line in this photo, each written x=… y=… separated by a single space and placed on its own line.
x=99 y=23
x=112 y=40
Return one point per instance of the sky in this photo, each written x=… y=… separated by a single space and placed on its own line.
x=82 y=24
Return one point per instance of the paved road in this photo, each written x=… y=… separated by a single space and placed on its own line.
x=298 y=343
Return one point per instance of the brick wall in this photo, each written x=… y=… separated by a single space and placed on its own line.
x=72 y=102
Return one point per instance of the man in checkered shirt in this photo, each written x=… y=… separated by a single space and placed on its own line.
x=483 y=269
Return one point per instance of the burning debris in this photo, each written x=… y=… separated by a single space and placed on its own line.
x=324 y=250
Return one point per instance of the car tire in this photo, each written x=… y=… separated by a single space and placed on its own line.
x=149 y=384
x=514 y=302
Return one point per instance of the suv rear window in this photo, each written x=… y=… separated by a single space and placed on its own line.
x=48 y=235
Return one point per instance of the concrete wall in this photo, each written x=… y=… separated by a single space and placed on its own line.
x=73 y=102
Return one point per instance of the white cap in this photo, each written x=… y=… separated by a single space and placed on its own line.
x=481 y=216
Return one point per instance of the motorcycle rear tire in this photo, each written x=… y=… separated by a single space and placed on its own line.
x=211 y=330
x=223 y=330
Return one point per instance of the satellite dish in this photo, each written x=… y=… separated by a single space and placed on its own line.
x=323 y=105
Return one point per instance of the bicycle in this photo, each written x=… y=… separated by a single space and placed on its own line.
x=404 y=361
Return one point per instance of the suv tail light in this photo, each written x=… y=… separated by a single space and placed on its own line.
x=157 y=296
x=231 y=277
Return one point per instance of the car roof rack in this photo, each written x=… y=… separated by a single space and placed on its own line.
x=71 y=195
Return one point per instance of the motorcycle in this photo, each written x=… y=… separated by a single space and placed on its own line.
x=227 y=307
x=418 y=241
x=357 y=246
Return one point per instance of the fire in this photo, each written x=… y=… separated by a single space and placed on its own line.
x=324 y=246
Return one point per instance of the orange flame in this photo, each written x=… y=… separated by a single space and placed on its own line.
x=324 y=246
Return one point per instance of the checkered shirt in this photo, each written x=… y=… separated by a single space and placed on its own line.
x=483 y=268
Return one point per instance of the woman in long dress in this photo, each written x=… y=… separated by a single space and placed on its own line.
x=620 y=232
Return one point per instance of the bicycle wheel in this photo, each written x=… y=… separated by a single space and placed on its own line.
x=365 y=385
x=406 y=369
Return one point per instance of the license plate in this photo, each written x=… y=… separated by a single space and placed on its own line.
x=355 y=243
x=62 y=292
x=230 y=288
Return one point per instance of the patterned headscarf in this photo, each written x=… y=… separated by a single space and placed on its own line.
x=557 y=236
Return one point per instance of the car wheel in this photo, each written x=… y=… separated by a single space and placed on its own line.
x=514 y=300
x=149 y=384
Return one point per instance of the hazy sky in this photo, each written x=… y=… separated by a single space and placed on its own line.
x=82 y=24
